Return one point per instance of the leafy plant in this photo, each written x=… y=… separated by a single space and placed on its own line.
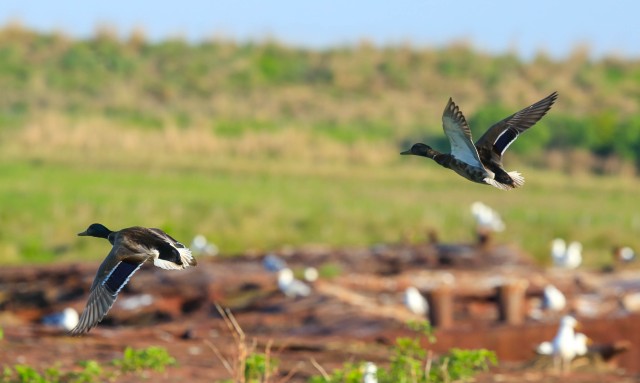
x=155 y=358
x=411 y=363
x=27 y=374
x=257 y=366
x=461 y=364
x=91 y=372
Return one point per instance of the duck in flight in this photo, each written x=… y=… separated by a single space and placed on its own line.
x=482 y=162
x=132 y=247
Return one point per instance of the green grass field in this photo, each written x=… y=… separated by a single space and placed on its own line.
x=258 y=145
x=260 y=200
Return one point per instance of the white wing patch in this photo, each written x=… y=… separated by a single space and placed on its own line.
x=185 y=257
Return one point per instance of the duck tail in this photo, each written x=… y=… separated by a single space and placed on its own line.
x=518 y=179
x=494 y=183
x=187 y=258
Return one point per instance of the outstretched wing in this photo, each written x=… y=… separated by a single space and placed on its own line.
x=457 y=130
x=504 y=133
x=104 y=292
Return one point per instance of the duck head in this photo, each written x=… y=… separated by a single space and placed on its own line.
x=96 y=230
x=420 y=149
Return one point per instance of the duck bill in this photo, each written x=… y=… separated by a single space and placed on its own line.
x=406 y=152
x=83 y=234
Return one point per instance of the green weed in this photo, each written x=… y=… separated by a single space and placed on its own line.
x=90 y=371
x=411 y=363
x=154 y=358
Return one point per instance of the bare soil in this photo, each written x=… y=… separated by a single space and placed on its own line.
x=352 y=317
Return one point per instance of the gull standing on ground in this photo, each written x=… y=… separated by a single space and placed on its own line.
x=566 y=257
x=564 y=343
x=486 y=218
x=290 y=286
x=415 y=302
x=67 y=319
x=553 y=299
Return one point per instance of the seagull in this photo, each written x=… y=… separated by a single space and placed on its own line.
x=415 y=302
x=370 y=374
x=486 y=218
x=580 y=346
x=567 y=257
x=553 y=299
x=545 y=348
x=200 y=246
x=273 y=263
x=290 y=286
x=67 y=319
x=564 y=343
x=132 y=247
x=624 y=254
x=310 y=274
x=482 y=162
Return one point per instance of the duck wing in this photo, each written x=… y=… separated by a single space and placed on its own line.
x=457 y=130
x=113 y=274
x=503 y=133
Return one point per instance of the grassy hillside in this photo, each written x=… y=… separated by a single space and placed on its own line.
x=347 y=94
x=261 y=145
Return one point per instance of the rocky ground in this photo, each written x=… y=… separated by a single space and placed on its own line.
x=354 y=313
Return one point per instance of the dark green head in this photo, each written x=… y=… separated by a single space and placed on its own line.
x=419 y=149
x=96 y=230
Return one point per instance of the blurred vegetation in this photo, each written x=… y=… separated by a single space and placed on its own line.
x=138 y=361
x=410 y=362
x=346 y=94
x=260 y=145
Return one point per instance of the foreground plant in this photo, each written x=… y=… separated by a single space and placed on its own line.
x=138 y=361
x=411 y=363
x=154 y=358
x=248 y=365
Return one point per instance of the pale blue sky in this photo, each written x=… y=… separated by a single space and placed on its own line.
x=495 y=26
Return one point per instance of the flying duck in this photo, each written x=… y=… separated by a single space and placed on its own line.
x=132 y=247
x=482 y=162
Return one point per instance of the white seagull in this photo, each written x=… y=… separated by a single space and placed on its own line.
x=553 y=299
x=566 y=257
x=415 y=302
x=486 y=218
x=67 y=319
x=624 y=254
x=564 y=344
x=290 y=286
x=370 y=374
x=580 y=345
x=273 y=263
x=201 y=246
